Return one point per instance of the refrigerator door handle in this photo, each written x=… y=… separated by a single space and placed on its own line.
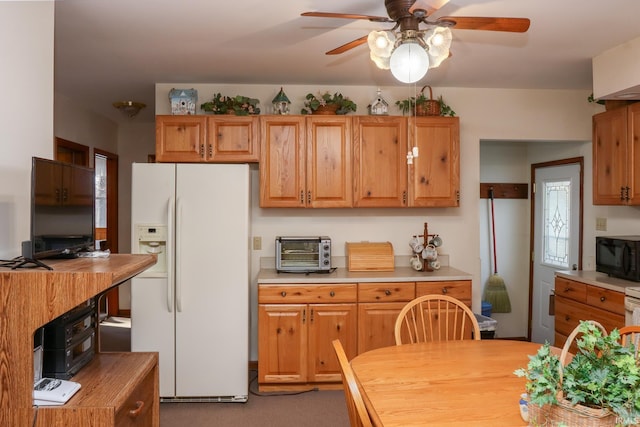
x=178 y=252
x=171 y=205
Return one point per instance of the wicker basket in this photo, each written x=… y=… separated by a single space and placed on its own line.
x=429 y=108
x=564 y=413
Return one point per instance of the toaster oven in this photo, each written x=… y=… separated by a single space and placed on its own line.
x=303 y=254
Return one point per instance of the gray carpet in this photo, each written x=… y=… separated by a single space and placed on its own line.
x=311 y=409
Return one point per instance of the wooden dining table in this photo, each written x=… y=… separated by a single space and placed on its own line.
x=449 y=383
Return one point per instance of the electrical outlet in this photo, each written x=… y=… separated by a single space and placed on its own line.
x=601 y=224
x=257 y=243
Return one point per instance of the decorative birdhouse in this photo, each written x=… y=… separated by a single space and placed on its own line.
x=379 y=107
x=183 y=101
x=281 y=103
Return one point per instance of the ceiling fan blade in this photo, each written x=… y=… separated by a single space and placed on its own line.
x=347 y=46
x=514 y=25
x=429 y=6
x=347 y=16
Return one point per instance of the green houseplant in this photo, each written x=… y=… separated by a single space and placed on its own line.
x=315 y=103
x=602 y=375
x=408 y=105
x=239 y=105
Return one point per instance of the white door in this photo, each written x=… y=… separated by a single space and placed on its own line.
x=152 y=304
x=212 y=280
x=556 y=238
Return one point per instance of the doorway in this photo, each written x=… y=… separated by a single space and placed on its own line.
x=556 y=242
x=106 y=167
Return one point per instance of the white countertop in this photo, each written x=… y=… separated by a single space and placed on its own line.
x=598 y=279
x=343 y=275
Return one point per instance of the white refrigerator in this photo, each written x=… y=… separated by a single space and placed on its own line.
x=193 y=306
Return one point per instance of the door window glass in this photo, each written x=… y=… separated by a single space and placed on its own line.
x=557 y=208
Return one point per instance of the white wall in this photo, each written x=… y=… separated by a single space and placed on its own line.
x=26 y=113
x=85 y=127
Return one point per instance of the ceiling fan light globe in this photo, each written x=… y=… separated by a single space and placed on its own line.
x=380 y=61
x=439 y=37
x=409 y=62
x=380 y=43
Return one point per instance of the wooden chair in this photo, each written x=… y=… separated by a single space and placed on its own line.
x=435 y=318
x=358 y=415
x=630 y=334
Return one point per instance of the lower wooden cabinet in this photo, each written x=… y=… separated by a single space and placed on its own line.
x=378 y=307
x=118 y=390
x=576 y=301
x=298 y=322
x=294 y=337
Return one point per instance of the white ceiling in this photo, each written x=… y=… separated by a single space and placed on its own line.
x=107 y=51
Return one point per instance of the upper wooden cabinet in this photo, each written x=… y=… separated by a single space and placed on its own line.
x=233 y=138
x=305 y=161
x=382 y=175
x=616 y=153
x=217 y=138
x=434 y=177
x=379 y=161
x=63 y=185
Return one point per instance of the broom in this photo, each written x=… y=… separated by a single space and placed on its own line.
x=495 y=291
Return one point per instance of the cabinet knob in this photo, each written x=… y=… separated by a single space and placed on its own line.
x=283 y=293
x=387 y=292
x=567 y=318
x=332 y=294
x=602 y=299
x=133 y=413
x=444 y=290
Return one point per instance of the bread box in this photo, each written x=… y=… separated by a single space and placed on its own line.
x=369 y=256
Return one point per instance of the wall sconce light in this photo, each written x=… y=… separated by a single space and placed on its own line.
x=129 y=108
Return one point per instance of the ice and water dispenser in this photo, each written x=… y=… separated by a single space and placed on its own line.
x=152 y=239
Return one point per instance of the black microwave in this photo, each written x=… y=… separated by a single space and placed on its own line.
x=619 y=256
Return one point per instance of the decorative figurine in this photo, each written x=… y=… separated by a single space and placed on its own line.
x=183 y=101
x=379 y=107
x=281 y=103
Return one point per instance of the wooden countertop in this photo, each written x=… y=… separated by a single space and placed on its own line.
x=598 y=279
x=343 y=275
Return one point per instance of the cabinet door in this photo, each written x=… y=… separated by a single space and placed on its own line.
x=609 y=157
x=282 y=161
x=634 y=153
x=568 y=314
x=77 y=186
x=379 y=161
x=282 y=343
x=434 y=177
x=328 y=322
x=180 y=139
x=48 y=191
x=328 y=177
x=233 y=138
x=376 y=324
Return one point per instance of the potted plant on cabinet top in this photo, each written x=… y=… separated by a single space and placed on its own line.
x=239 y=105
x=419 y=103
x=325 y=103
x=601 y=384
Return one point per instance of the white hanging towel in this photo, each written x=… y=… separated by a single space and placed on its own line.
x=635 y=317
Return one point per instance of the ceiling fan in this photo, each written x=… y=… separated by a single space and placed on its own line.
x=428 y=47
